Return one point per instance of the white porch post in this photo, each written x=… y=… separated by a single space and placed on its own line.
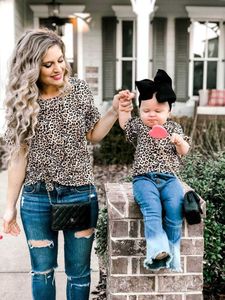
x=143 y=9
x=170 y=46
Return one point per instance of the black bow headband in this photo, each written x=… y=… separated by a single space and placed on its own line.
x=162 y=86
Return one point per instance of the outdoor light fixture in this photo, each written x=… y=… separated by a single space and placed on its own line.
x=53 y=9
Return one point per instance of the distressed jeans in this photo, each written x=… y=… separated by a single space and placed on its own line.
x=43 y=242
x=160 y=197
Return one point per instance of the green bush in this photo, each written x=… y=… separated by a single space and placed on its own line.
x=207 y=176
x=101 y=235
x=204 y=171
x=208 y=138
x=114 y=149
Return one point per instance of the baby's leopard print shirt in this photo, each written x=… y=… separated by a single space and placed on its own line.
x=153 y=155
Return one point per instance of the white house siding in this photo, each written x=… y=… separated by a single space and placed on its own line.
x=7 y=43
x=92 y=57
x=23 y=17
x=16 y=15
x=90 y=43
x=19 y=18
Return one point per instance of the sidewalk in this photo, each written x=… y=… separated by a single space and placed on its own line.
x=15 y=264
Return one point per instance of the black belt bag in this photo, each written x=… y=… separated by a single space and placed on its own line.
x=70 y=216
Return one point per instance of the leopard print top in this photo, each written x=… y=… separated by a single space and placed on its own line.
x=58 y=151
x=153 y=155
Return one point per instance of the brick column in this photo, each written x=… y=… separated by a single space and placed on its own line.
x=127 y=278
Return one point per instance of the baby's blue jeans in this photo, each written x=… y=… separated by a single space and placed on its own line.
x=160 y=197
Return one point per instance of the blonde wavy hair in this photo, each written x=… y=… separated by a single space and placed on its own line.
x=22 y=90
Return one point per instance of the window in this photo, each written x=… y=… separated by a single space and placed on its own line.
x=207 y=51
x=126 y=54
x=205 y=55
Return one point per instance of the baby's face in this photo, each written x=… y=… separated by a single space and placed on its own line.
x=154 y=113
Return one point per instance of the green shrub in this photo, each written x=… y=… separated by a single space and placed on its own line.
x=101 y=235
x=207 y=176
x=114 y=149
x=209 y=135
x=208 y=138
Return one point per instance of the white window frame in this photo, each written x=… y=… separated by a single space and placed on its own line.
x=124 y=13
x=204 y=14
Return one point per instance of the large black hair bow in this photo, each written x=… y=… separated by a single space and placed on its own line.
x=161 y=85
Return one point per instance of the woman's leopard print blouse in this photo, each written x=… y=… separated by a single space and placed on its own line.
x=153 y=155
x=58 y=151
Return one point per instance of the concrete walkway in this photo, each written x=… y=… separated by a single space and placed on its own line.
x=15 y=265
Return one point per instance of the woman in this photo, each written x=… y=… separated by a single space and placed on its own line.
x=50 y=117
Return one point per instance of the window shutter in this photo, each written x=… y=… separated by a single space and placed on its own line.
x=109 y=57
x=181 y=58
x=159 y=31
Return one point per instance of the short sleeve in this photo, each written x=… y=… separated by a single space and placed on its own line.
x=131 y=129
x=8 y=137
x=92 y=114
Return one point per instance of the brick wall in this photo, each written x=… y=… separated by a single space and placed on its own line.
x=127 y=278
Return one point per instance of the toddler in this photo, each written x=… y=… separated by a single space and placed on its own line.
x=156 y=187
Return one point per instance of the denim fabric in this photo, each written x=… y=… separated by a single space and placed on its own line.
x=35 y=214
x=160 y=197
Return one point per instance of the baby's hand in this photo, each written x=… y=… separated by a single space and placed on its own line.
x=125 y=100
x=176 y=139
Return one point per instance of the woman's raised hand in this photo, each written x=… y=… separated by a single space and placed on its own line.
x=125 y=100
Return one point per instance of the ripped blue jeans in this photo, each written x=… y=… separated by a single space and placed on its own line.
x=43 y=242
x=160 y=197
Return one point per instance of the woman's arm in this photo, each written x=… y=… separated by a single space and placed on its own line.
x=16 y=175
x=103 y=126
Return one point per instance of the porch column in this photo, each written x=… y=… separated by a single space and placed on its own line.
x=143 y=9
x=170 y=46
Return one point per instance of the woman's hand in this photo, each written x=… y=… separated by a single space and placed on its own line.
x=123 y=101
x=9 y=222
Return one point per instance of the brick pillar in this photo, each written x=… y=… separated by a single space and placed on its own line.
x=127 y=278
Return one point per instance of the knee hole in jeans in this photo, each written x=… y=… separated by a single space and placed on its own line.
x=43 y=273
x=40 y=243
x=84 y=233
x=47 y=275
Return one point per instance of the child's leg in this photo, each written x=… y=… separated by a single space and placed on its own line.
x=172 y=196
x=147 y=196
